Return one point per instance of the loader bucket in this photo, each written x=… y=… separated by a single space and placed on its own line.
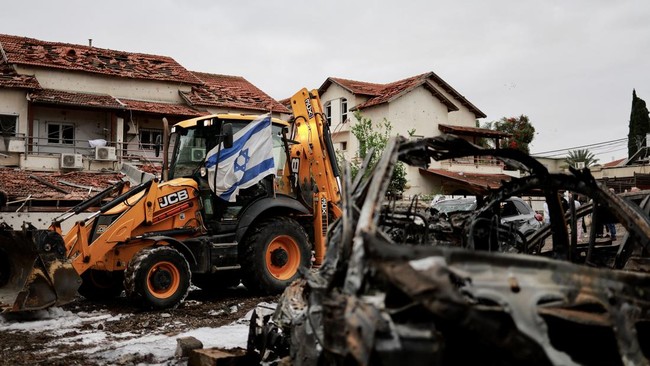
x=34 y=271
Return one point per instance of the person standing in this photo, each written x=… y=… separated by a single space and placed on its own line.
x=579 y=226
x=610 y=222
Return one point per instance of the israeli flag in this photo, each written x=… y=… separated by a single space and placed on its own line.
x=244 y=164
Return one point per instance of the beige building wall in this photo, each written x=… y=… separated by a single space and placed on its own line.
x=98 y=84
x=342 y=138
x=14 y=102
x=416 y=110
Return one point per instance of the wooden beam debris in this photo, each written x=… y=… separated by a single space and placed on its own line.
x=94 y=189
x=44 y=182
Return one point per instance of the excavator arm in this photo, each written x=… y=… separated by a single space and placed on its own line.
x=313 y=164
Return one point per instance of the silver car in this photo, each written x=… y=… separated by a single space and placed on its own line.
x=513 y=211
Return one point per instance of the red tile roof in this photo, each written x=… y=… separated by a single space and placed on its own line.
x=479 y=183
x=230 y=92
x=471 y=131
x=33 y=52
x=17 y=184
x=50 y=96
x=286 y=102
x=161 y=108
x=383 y=93
x=356 y=87
x=9 y=78
x=614 y=163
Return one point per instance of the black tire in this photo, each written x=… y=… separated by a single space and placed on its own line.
x=101 y=285
x=211 y=282
x=272 y=254
x=157 y=278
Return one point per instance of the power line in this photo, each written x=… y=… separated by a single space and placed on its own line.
x=594 y=150
x=605 y=143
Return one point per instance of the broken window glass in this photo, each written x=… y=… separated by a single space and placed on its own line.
x=8 y=125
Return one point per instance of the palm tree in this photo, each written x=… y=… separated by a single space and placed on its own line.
x=581 y=158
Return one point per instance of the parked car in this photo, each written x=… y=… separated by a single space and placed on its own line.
x=513 y=211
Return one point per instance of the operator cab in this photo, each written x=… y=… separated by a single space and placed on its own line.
x=193 y=139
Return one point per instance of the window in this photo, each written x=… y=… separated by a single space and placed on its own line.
x=60 y=133
x=8 y=125
x=344 y=110
x=328 y=112
x=344 y=145
x=148 y=138
x=508 y=209
x=523 y=208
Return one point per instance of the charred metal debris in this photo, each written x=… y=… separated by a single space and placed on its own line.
x=397 y=289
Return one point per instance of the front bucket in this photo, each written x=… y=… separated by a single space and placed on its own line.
x=34 y=273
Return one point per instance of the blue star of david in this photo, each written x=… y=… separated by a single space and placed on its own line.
x=242 y=161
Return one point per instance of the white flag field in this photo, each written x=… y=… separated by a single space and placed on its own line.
x=245 y=163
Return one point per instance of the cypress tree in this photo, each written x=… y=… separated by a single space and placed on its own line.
x=639 y=125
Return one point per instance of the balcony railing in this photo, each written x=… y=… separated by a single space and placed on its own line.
x=33 y=146
x=473 y=160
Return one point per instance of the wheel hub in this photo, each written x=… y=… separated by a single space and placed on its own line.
x=161 y=279
x=279 y=257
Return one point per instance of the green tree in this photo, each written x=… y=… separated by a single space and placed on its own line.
x=639 y=125
x=578 y=156
x=520 y=129
x=374 y=136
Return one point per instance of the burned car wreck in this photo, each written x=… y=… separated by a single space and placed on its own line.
x=485 y=295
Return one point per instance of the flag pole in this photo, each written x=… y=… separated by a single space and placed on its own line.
x=216 y=163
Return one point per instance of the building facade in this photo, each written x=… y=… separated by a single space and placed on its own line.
x=75 y=107
x=422 y=105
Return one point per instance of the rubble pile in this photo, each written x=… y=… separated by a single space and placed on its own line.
x=18 y=184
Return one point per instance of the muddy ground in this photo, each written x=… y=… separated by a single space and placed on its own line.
x=123 y=321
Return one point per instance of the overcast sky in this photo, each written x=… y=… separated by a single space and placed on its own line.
x=569 y=65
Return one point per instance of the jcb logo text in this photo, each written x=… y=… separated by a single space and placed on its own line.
x=172 y=198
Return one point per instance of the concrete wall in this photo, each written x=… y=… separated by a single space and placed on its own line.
x=88 y=125
x=620 y=172
x=13 y=102
x=333 y=95
x=99 y=84
x=41 y=220
x=419 y=110
x=553 y=165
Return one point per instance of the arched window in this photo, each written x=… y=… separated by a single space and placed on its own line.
x=344 y=110
x=328 y=112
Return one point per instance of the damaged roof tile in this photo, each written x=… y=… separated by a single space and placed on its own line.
x=9 y=78
x=50 y=96
x=17 y=184
x=230 y=92
x=161 y=108
x=383 y=93
x=33 y=52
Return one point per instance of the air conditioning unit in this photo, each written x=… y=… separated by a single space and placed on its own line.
x=198 y=153
x=71 y=161
x=105 y=153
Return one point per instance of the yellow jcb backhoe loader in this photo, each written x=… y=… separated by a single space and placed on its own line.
x=157 y=237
